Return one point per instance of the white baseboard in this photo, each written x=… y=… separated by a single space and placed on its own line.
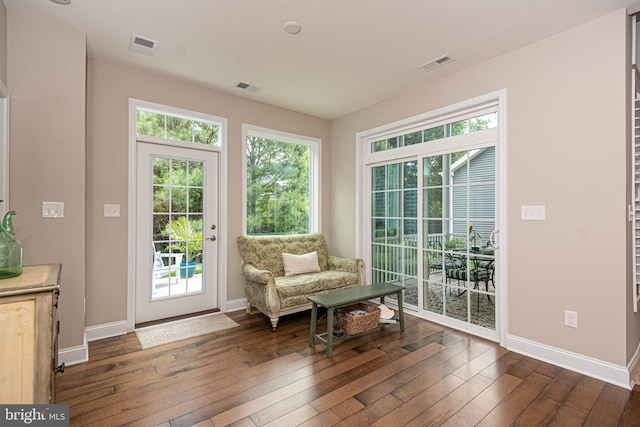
x=74 y=355
x=605 y=371
x=236 y=305
x=632 y=365
x=79 y=354
x=106 y=330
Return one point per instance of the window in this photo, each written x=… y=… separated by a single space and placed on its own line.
x=460 y=127
x=281 y=182
x=176 y=127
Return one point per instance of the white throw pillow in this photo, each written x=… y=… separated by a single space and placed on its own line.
x=300 y=264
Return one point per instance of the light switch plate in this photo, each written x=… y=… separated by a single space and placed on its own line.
x=532 y=213
x=111 y=211
x=52 y=209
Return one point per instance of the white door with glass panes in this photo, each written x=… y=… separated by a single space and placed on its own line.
x=177 y=213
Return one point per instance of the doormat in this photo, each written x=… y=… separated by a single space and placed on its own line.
x=153 y=336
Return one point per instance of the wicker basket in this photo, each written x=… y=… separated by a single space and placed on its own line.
x=361 y=323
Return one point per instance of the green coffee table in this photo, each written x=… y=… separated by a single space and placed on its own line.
x=346 y=297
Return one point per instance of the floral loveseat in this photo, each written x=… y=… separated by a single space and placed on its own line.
x=272 y=292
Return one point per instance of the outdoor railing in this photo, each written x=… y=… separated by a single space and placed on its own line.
x=396 y=258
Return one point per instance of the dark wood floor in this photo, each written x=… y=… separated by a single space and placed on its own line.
x=247 y=376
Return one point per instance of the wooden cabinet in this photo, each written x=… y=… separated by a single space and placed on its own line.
x=29 y=335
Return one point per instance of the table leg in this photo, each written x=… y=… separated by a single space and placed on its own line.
x=329 y=331
x=400 y=310
x=314 y=319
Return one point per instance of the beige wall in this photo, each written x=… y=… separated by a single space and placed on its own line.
x=566 y=149
x=109 y=88
x=46 y=79
x=3 y=43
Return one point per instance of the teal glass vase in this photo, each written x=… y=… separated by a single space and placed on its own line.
x=10 y=249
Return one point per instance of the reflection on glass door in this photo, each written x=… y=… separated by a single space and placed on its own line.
x=459 y=261
x=176 y=216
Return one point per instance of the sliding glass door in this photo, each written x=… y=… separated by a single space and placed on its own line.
x=432 y=213
x=444 y=208
x=459 y=205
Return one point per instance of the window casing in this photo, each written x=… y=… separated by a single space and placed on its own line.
x=281 y=182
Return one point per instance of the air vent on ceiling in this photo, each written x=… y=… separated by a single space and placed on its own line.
x=143 y=45
x=435 y=63
x=247 y=86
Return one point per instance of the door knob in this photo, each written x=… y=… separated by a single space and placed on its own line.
x=212 y=238
x=213 y=227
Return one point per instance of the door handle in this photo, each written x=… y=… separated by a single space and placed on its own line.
x=213 y=227
x=212 y=238
x=492 y=239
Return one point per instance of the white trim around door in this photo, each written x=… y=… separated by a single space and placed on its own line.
x=365 y=156
x=133 y=197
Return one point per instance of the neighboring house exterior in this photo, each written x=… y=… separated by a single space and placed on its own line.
x=481 y=168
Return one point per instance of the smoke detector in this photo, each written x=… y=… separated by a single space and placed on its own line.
x=247 y=86
x=142 y=45
x=292 y=27
x=438 y=62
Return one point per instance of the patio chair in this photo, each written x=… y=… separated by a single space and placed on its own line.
x=479 y=271
x=434 y=256
x=161 y=267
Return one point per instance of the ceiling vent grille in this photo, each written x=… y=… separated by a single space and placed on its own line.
x=435 y=63
x=143 y=45
x=247 y=86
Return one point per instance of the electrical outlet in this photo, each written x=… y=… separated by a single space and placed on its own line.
x=570 y=319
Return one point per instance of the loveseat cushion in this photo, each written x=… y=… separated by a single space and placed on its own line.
x=300 y=264
x=294 y=290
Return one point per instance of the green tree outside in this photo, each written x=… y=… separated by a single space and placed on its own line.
x=277 y=187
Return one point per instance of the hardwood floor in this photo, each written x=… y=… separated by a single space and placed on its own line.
x=248 y=376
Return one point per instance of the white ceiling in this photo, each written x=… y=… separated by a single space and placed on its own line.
x=349 y=54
